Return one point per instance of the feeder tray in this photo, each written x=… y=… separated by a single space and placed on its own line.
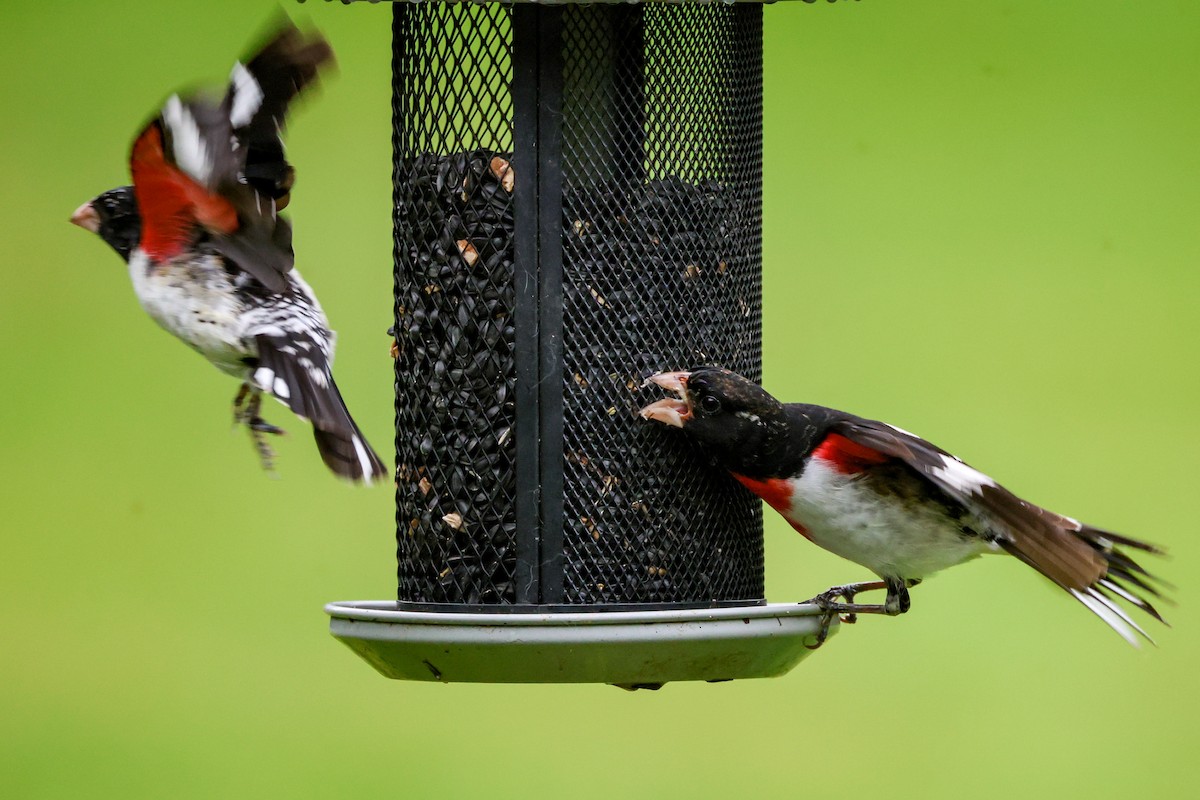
x=632 y=649
x=577 y=205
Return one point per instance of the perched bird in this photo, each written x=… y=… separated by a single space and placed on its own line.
x=891 y=501
x=210 y=259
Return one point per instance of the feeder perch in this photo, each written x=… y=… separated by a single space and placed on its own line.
x=577 y=205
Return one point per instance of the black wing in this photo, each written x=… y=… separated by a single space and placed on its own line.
x=233 y=149
x=257 y=102
x=1084 y=561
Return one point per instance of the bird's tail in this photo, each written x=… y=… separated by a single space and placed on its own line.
x=1122 y=580
x=345 y=450
x=295 y=371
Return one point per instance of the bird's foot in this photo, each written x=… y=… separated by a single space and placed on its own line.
x=259 y=429
x=246 y=407
x=838 y=601
x=260 y=425
x=828 y=600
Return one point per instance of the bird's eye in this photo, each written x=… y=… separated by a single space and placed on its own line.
x=709 y=404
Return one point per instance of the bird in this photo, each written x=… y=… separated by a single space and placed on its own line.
x=890 y=501
x=211 y=260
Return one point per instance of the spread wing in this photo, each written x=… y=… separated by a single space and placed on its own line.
x=221 y=165
x=257 y=102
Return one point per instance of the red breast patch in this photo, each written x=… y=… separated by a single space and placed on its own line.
x=775 y=492
x=847 y=456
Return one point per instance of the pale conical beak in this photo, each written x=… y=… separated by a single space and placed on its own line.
x=86 y=217
x=674 y=411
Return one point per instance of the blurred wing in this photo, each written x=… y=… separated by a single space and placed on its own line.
x=259 y=94
x=197 y=136
x=171 y=201
x=222 y=165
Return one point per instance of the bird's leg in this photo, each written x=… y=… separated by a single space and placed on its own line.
x=896 y=602
x=239 y=403
x=827 y=602
x=247 y=411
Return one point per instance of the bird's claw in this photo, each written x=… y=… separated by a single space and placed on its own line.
x=260 y=425
x=266 y=455
x=259 y=428
x=838 y=601
x=246 y=407
x=240 y=406
x=828 y=602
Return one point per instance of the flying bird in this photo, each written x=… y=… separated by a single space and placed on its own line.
x=211 y=260
x=901 y=507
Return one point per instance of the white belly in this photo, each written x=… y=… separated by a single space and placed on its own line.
x=196 y=303
x=845 y=515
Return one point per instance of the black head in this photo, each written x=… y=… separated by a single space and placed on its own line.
x=114 y=217
x=746 y=428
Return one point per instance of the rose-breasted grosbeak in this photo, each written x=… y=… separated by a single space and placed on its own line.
x=891 y=501
x=210 y=259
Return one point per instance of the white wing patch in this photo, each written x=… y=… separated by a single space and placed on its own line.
x=281 y=389
x=364 y=461
x=247 y=96
x=318 y=376
x=898 y=429
x=960 y=476
x=265 y=378
x=187 y=145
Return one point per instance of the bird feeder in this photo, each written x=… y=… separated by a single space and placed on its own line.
x=577 y=205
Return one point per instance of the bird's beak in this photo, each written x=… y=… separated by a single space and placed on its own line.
x=675 y=411
x=86 y=217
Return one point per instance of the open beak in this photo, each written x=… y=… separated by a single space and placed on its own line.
x=675 y=411
x=86 y=217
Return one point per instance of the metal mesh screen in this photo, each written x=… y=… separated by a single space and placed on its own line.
x=452 y=119
x=645 y=123
x=662 y=253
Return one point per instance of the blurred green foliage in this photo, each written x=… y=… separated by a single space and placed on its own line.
x=981 y=224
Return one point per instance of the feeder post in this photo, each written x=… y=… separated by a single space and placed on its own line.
x=537 y=211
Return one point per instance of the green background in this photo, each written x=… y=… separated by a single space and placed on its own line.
x=981 y=225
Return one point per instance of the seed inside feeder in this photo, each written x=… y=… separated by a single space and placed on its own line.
x=503 y=172
x=641 y=254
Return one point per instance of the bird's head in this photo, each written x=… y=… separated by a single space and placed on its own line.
x=734 y=418
x=114 y=217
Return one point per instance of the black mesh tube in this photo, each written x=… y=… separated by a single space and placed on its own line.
x=577 y=205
